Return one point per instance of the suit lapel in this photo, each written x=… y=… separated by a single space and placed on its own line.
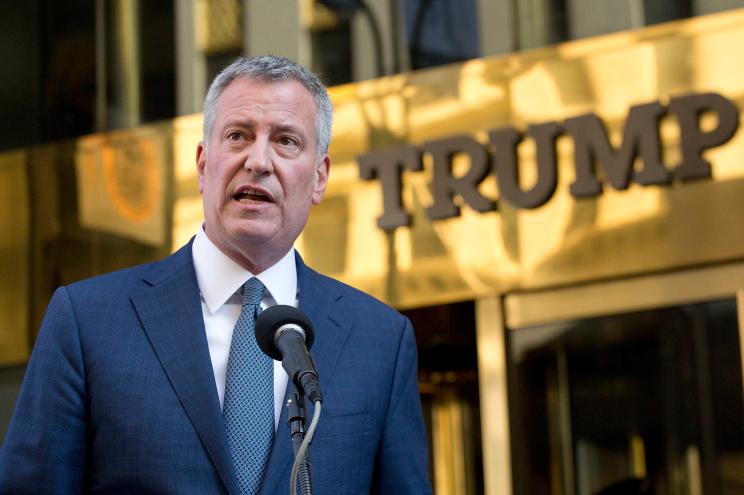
x=170 y=311
x=320 y=301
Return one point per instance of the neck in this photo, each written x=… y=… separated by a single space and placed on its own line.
x=256 y=260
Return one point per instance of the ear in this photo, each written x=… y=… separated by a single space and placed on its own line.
x=321 y=178
x=201 y=162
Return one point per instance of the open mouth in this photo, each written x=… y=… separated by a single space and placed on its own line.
x=250 y=195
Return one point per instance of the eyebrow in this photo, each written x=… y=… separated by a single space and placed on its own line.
x=293 y=129
x=250 y=123
x=242 y=123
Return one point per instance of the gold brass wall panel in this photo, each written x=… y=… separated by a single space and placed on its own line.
x=626 y=295
x=493 y=383
x=98 y=225
x=563 y=242
x=15 y=258
x=121 y=183
x=451 y=449
x=72 y=210
x=567 y=240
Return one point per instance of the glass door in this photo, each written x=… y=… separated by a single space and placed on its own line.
x=644 y=401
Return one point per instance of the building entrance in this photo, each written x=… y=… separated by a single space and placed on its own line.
x=642 y=401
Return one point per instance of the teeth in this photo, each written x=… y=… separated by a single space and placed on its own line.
x=251 y=195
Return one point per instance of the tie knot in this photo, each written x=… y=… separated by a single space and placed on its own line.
x=252 y=292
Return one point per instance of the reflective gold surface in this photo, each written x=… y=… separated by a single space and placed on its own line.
x=620 y=296
x=15 y=257
x=109 y=200
x=72 y=210
x=494 y=395
x=450 y=447
x=122 y=183
x=565 y=241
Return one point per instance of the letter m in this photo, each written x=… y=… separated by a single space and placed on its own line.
x=593 y=149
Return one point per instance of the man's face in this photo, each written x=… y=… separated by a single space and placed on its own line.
x=259 y=172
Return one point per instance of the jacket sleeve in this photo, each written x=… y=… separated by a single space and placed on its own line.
x=402 y=460
x=45 y=447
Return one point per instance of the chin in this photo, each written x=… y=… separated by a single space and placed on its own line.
x=251 y=236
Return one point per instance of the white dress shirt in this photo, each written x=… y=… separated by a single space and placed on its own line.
x=220 y=279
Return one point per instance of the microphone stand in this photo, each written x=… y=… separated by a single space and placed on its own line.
x=297 y=419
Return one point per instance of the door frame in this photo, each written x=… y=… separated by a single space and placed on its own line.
x=502 y=313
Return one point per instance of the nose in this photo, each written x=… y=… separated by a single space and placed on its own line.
x=258 y=158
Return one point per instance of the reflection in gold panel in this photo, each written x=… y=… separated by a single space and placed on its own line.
x=493 y=383
x=187 y=208
x=451 y=449
x=121 y=183
x=71 y=210
x=567 y=240
x=14 y=258
x=131 y=195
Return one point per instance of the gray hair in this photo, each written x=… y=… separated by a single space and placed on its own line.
x=270 y=68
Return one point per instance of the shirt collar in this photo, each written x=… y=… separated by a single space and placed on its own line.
x=219 y=277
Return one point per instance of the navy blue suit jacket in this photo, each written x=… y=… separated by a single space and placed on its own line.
x=119 y=394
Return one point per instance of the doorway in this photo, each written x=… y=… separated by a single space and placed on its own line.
x=631 y=386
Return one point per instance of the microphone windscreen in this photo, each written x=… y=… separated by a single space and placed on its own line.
x=272 y=318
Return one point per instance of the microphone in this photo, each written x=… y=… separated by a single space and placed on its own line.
x=286 y=334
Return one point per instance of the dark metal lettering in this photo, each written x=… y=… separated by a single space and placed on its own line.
x=507 y=165
x=640 y=140
x=444 y=186
x=596 y=160
x=388 y=166
x=693 y=140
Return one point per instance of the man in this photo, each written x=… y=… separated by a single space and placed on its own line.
x=137 y=382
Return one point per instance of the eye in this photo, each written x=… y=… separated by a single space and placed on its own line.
x=287 y=141
x=234 y=136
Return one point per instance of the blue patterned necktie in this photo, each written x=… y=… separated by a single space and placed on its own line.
x=249 y=395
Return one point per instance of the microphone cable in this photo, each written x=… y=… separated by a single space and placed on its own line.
x=305 y=485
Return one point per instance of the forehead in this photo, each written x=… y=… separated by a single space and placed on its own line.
x=279 y=99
